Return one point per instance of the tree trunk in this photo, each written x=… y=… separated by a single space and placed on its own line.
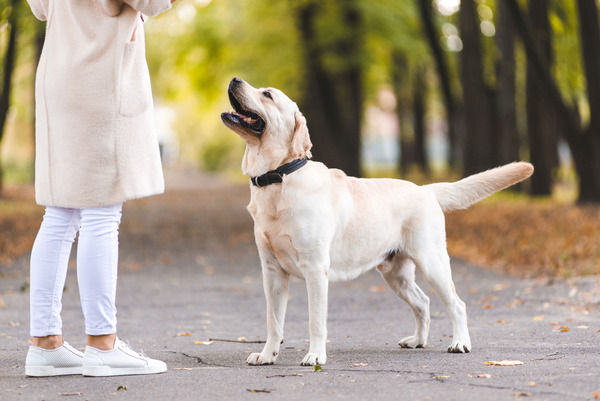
x=332 y=101
x=479 y=151
x=585 y=149
x=508 y=134
x=452 y=110
x=419 y=122
x=9 y=66
x=541 y=123
x=400 y=73
x=589 y=187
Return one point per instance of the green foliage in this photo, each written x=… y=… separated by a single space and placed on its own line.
x=195 y=49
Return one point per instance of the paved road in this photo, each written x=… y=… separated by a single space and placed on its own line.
x=189 y=265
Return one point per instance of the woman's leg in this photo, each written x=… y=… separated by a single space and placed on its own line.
x=97 y=261
x=48 y=271
x=97 y=258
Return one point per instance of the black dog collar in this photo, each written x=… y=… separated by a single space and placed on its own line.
x=276 y=176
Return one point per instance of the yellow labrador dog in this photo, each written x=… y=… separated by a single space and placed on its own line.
x=319 y=224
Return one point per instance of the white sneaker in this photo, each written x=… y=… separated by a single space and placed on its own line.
x=121 y=360
x=64 y=360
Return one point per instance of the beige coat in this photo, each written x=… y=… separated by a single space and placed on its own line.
x=95 y=135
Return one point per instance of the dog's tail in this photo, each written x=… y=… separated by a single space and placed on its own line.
x=462 y=194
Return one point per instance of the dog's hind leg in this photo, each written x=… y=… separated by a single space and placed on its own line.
x=399 y=274
x=275 y=283
x=435 y=266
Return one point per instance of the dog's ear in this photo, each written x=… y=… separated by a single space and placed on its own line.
x=301 y=143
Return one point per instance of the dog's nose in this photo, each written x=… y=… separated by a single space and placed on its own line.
x=236 y=81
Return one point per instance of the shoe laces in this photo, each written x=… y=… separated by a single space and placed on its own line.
x=126 y=347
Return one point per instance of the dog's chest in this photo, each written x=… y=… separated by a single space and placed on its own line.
x=275 y=235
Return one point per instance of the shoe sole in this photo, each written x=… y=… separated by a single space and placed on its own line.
x=97 y=371
x=41 y=371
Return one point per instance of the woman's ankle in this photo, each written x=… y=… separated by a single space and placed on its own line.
x=47 y=342
x=105 y=342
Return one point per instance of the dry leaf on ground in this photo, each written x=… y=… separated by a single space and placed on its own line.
x=203 y=342
x=504 y=363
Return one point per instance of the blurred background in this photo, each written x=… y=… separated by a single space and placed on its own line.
x=389 y=87
x=419 y=89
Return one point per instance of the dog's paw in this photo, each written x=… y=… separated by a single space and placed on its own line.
x=312 y=359
x=459 y=347
x=411 y=342
x=257 y=358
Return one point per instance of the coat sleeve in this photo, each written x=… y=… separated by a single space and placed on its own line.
x=39 y=8
x=149 y=7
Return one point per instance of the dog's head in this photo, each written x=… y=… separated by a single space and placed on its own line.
x=270 y=123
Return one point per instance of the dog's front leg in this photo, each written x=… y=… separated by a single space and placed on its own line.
x=275 y=284
x=317 y=286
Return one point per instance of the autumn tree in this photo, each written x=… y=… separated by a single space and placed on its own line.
x=584 y=142
x=508 y=132
x=478 y=147
x=332 y=98
x=8 y=68
x=541 y=124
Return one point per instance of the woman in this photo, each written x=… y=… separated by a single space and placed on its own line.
x=95 y=148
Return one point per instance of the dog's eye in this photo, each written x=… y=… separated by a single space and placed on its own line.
x=268 y=94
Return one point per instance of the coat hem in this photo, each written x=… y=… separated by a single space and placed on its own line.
x=97 y=204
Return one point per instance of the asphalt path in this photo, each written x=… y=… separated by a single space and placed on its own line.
x=189 y=272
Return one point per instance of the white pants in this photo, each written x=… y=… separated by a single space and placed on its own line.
x=97 y=259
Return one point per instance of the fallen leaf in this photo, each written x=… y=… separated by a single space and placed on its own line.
x=503 y=363
x=2 y=304
x=596 y=395
x=553 y=323
x=441 y=377
x=562 y=329
x=255 y=390
x=317 y=367
x=293 y=374
x=488 y=306
x=242 y=339
x=377 y=288
x=360 y=364
x=483 y=376
x=203 y=342
x=582 y=327
x=124 y=388
x=183 y=334
x=531 y=384
x=14 y=324
x=538 y=318
x=598 y=331
x=522 y=394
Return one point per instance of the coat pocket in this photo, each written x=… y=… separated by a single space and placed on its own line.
x=135 y=90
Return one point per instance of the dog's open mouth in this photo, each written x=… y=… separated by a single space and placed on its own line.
x=244 y=118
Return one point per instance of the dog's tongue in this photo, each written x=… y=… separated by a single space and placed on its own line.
x=248 y=120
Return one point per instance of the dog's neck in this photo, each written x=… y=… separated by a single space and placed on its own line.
x=258 y=161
